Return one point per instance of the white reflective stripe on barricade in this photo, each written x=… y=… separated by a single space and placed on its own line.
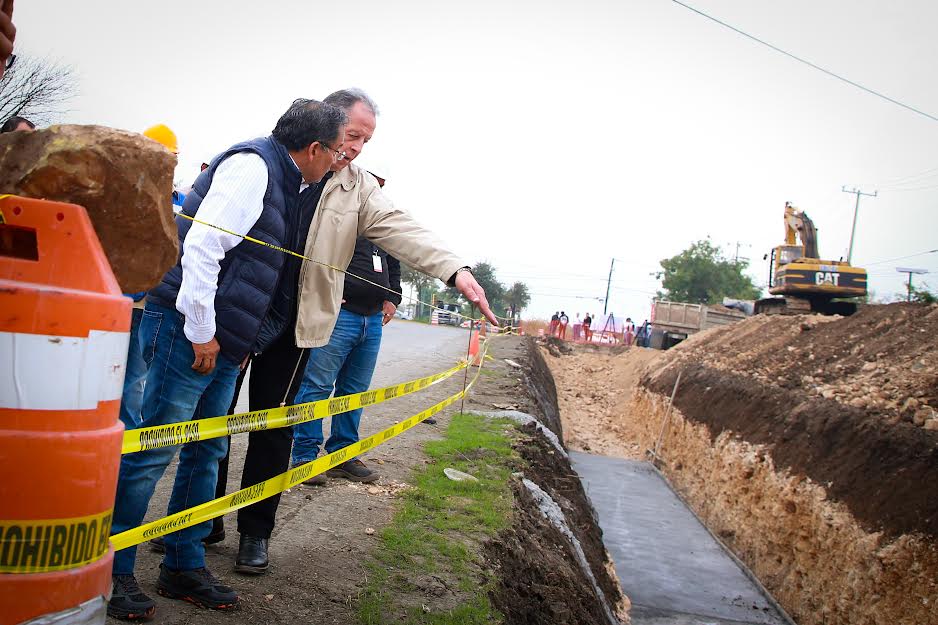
x=47 y=372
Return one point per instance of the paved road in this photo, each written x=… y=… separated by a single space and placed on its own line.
x=670 y=567
x=408 y=350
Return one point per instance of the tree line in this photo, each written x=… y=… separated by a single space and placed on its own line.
x=506 y=301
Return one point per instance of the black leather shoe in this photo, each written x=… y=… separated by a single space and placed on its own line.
x=354 y=470
x=252 y=556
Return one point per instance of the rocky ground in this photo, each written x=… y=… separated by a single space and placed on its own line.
x=594 y=383
x=883 y=360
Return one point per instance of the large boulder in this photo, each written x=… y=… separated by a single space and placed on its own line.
x=124 y=181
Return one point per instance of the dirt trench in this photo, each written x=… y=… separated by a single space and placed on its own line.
x=538 y=577
x=807 y=444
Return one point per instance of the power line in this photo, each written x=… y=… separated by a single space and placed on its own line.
x=889 y=260
x=934 y=186
x=912 y=179
x=808 y=63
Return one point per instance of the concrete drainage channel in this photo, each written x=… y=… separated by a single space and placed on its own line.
x=673 y=570
x=667 y=564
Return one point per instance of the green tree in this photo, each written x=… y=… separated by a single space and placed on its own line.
x=923 y=295
x=702 y=275
x=517 y=298
x=494 y=290
x=422 y=283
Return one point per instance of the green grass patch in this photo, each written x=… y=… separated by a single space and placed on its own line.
x=440 y=524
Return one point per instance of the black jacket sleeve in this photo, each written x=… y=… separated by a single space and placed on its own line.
x=394 y=276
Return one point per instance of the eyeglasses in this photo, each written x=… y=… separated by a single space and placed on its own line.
x=10 y=61
x=338 y=156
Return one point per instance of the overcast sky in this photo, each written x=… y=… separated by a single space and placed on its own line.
x=549 y=137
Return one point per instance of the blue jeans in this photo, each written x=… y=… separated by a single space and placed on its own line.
x=347 y=364
x=174 y=393
x=135 y=375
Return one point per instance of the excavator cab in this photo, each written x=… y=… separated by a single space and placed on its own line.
x=805 y=282
x=787 y=254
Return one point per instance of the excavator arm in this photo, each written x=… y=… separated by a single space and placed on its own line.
x=798 y=226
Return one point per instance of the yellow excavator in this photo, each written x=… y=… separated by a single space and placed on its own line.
x=806 y=283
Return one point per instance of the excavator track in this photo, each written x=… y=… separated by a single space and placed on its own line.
x=803 y=306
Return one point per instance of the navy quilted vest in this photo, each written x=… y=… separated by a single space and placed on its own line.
x=250 y=273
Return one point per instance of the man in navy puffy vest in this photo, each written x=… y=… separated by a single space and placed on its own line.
x=201 y=322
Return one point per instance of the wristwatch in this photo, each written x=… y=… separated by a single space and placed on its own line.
x=452 y=281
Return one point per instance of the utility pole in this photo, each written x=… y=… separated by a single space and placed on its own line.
x=856 y=210
x=608 y=286
x=739 y=244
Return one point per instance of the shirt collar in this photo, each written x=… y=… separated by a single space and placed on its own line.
x=303 y=183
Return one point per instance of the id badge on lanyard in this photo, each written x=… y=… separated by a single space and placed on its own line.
x=376 y=262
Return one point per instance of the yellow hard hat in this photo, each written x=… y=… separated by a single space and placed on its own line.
x=162 y=134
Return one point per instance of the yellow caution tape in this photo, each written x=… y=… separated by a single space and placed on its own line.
x=143 y=439
x=41 y=546
x=276 y=484
x=317 y=262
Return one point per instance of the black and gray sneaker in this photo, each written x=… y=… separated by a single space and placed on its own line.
x=316 y=480
x=197 y=586
x=354 y=470
x=128 y=602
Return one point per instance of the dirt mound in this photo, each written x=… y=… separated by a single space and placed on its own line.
x=593 y=383
x=883 y=360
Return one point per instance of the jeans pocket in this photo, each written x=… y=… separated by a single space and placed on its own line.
x=149 y=331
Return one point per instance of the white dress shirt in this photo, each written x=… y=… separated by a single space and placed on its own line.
x=234 y=202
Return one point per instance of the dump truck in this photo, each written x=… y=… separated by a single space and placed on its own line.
x=672 y=322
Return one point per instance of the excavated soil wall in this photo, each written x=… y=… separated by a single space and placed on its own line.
x=811 y=552
x=539 y=578
x=834 y=509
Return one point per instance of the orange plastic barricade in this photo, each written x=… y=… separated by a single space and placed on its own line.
x=474 y=359
x=64 y=329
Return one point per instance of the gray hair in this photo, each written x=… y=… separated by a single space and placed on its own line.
x=345 y=99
